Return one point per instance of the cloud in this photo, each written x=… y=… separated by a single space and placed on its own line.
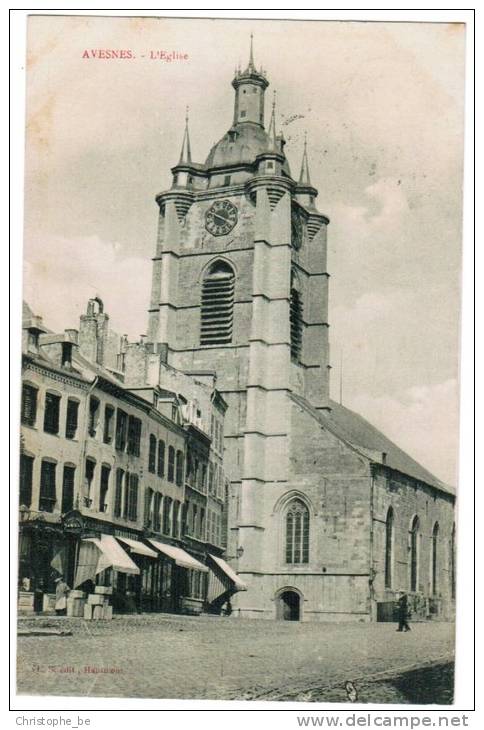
x=422 y=420
x=61 y=274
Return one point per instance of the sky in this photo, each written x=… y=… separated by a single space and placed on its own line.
x=382 y=105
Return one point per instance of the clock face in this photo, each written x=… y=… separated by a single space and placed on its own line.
x=296 y=231
x=221 y=217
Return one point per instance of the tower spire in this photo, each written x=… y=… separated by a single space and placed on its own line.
x=272 y=126
x=251 y=58
x=185 y=154
x=304 y=178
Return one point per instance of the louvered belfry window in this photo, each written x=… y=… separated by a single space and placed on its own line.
x=217 y=308
x=295 y=320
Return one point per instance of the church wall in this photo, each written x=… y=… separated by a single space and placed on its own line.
x=334 y=482
x=408 y=498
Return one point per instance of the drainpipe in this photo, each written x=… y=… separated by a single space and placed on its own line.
x=84 y=441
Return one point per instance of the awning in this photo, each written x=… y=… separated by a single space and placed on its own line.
x=113 y=555
x=229 y=572
x=181 y=558
x=138 y=547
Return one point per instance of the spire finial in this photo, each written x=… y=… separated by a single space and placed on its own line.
x=186 y=154
x=272 y=125
x=304 y=178
x=251 y=59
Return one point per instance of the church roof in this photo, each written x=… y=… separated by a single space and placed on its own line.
x=241 y=145
x=372 y=443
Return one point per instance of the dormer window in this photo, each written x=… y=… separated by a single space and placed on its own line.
x=243 y=113
x=232 y=135
x=227 y=180
x=66 y=354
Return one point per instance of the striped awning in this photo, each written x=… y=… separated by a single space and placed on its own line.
x=229 y=572
x=138 y=547
x=181 y=558
x=113 y=555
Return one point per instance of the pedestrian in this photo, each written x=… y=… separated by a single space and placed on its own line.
x=403 y=613
x=61 y=591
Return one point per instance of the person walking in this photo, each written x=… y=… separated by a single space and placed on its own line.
x=403 y=613
x=61 y=591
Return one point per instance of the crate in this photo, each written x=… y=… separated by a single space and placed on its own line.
x=95 y=600
x=103 y=590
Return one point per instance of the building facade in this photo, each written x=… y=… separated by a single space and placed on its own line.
x=327 y=519
x=103 y=469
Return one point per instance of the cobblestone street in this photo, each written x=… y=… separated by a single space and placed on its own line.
x=163 y=656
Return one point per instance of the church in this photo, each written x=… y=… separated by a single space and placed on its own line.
x=327 y=518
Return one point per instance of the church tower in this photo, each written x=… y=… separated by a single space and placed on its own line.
x=240 y=287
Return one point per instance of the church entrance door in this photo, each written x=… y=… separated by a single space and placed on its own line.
x=288 y=606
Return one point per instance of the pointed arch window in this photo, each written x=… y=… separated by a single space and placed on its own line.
x=414 y=553
x=435 y=559
x=217 y=307
x=389 y=541
x=297 y=533
x=296 y=318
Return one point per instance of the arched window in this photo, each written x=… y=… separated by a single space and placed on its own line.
x=435 y=559
x=414 y=553
x=297 y=532
x=217 y=308
x=295 y=318
x=389 y=538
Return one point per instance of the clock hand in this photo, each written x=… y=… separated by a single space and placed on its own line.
x=219 y=217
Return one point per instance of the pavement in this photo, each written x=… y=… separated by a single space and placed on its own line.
x=212 y=657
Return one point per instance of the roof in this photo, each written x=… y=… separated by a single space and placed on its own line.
x=251 y=140
x=372 y=443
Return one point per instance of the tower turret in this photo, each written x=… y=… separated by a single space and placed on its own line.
x=305 y=192
x=249 y=86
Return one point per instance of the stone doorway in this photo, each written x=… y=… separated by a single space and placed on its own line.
x=289 y=606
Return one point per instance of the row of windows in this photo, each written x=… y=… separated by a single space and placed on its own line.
x=193 y=520
x=415 y=556
x=126 y=495
x=214 y=527
x=52 y=404
x=162 y=513
x=48 y=487
x=156 y=461
x=126 y=429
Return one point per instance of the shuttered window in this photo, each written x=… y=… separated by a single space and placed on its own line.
x=134 y=436
x=179 y=468
x=104 y=487
x=108 y=424
x=217 y=307
x=161 y=458
x=132 y=500
x=171 y=464
x=29 y=405
x=152 y=455
x=121 y=429
x=118 y=495
x=68 y=488
x=26 y=470
x=51 y=414
x=47 y=497
x=72 y=418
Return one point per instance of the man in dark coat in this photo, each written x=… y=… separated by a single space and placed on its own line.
x=403 y=613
